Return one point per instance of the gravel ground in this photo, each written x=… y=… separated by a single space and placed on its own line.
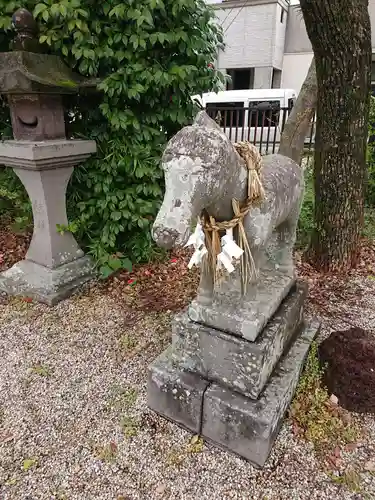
x=74 y=423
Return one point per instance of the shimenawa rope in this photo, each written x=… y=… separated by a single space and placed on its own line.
x=212 y=228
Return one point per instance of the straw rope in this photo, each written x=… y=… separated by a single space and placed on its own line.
x=212 y=228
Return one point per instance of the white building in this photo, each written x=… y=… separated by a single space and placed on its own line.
x=266 y=43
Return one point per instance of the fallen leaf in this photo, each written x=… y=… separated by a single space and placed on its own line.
x=11 y=482
x=351 y=446
x=337 y=452
x=28 y=463
x=5 y=438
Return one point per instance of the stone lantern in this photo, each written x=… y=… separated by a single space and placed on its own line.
x=43 y=158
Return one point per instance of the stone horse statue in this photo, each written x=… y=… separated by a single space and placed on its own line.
x=203 y=171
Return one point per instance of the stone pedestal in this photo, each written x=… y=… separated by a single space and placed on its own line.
x=54 y=264
x=247 y=315
x=231 y=390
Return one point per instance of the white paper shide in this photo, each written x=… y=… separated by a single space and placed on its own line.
x=197 y=240
x=229 y=249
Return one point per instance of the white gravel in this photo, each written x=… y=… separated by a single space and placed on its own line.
x=73 y=381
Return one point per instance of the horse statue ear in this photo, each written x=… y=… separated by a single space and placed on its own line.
x=203 y=120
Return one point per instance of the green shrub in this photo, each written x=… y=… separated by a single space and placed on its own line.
x=306 y=219
x=316 y=418
x=151 y=56
x=14 y=201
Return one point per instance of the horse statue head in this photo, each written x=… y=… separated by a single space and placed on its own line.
x=200 y=167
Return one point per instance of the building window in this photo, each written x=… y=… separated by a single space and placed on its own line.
x=282 y=16
x=240 y=79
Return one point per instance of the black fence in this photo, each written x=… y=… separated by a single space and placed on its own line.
x=260 y=123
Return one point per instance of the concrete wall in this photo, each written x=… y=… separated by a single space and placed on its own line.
x=295 y=69
x=279 y=37
x=249 y=35
x=296 y=39
x=263 y=77
x=298 y=51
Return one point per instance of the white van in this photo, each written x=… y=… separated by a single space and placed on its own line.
x=255 y=115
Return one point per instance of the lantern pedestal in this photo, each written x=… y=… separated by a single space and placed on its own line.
x=54 y=264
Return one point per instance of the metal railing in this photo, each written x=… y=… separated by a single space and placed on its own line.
x=262 y=125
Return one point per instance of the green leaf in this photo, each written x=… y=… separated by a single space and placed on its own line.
x=39 y=8
x=148 y=17
x=116 y=215
x=63 y=10
x=105 y=272
x=115 y=263
x=126 y=264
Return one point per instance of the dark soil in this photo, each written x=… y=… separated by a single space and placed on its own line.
x=167 y=285
x=350 y=371
x=13 y=246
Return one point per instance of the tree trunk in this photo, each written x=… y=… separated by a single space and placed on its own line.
x=340 y=33
x=292 y=140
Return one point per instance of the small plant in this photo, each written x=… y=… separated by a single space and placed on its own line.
x=110 y=264
x=127 y=342
x=129 y=397
x=41 y=370
x=130 y=426
x=175 y=458
x=196 y=445
x=123 y=398
x=314 y=415
x=369 y=227
x=107 y=453
x=306 y=219
x=349 y=478
x=70 y=228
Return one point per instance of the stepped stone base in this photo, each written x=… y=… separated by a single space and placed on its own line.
x=50 y=286
x=247 y=427
x=232 y=361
